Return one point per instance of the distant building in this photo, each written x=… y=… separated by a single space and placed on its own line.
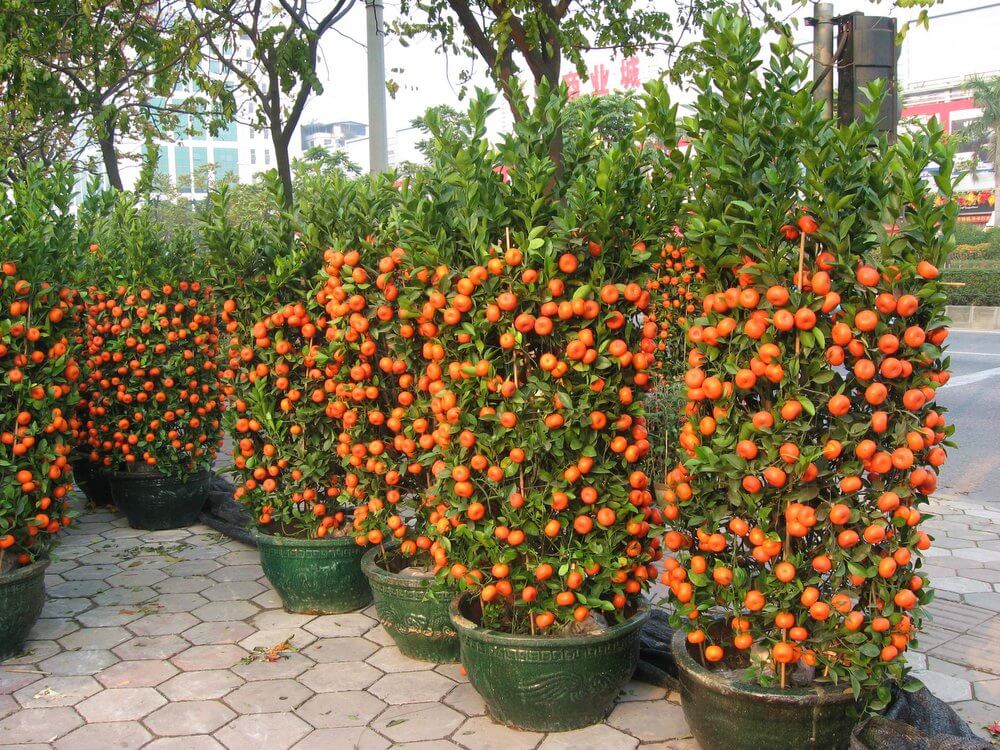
x=332 y=136
x=955 y=109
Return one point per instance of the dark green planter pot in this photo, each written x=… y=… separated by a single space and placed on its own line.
x=92 y=481
x=548 y=683
x=22 y=594
x=419 y=624
x=727 y=714
x=315 y=576
x=156 y=502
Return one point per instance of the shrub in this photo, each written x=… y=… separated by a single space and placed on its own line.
x=981 y=286
x=812 y=437
x=38 y=367
x=154 y=398
x=525 y=290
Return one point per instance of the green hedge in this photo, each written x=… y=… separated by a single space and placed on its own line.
x=982 y=286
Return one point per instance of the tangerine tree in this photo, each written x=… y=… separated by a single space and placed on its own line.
x=38 y=366
x=812 y=439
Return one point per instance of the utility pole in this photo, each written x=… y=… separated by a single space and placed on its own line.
x=378 y=137
x=822 y=23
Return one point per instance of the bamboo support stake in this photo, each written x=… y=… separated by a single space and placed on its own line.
x=802 y=258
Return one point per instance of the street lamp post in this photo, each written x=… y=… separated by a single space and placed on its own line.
x=378 y=138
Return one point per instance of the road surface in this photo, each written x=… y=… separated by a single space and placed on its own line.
x=972 y=397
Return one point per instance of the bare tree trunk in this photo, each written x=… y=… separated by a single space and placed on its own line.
x=284 y=166
x=110 y=157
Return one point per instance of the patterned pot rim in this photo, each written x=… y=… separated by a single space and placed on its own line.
x=270 y=540
x=376 y=572
x=718 y=682
x=33 y=570
x=468 y=629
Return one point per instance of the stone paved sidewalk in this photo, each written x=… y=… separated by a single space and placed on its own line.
x=150 y=639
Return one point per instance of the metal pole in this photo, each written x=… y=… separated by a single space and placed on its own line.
x=378 y=138
x=823 y=55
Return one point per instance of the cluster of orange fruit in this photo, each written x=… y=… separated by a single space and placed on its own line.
x=152 y=378
x=821 y=393
x=38 y=389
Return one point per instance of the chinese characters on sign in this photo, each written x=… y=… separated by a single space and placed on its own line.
x=600 y=75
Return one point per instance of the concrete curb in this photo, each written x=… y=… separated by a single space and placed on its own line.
x=974 y=317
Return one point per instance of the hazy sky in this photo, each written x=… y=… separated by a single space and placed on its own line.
x=964 y=37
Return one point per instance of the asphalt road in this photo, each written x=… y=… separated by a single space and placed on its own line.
x=972 y=397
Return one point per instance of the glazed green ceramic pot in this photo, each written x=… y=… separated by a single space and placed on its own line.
x=22 y=594
x=155 y=501
x=92 y=481
x=418 y=623
x=548 y=683
x=315 y=576
x=725 y=713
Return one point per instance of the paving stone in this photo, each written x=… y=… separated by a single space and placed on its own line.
x=597 y=737
x=348 y=738
x=454 y=671
x=137 y=578
x=427 y=745
x=990 y=575
x=34 y=652
x=152 y=647
x=41 y=725
x=289 y=666
x=641 y=691
x=978 y=554
x=163 y=623
x=335 y=677
x=120 y=704
x=989 y=600
x=207 y=684
x=268 y=600
x=390 y=659
x=232 y=591
x=237 y=573
x=95 y=638
x=465 y=698
x=71 y=589
x=183 y=585
x=341 y=626
x=270 y=731
x=122 y=596
x=268 y=696
x=988 y=691
x=957 y=617
x=52 y=629
x=78 y=662
x=145 y=673
x=65 y=690
x=218 y=632
x=189 y=717
x=278 y=619
x=482 y=733
x=89 y=572
x=108 y=616
x=222 y=611
x=417 y=721
x=180 y=602
x=66 y=607
x=241 y=557
x=978 y=715
x=650 y=722
x=189 y=742
x=296 y=637
x=957 y=670
x=8 y=705
x=959 y=584
x=220 y=656
x=192 y=568
x=401 y=687
x=340 y=649
x=353 y=708
x=120 y=735
x=11 y=681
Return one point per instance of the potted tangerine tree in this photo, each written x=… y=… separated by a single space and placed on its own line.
x=536 y=357
x=286 y=315
x=812 y=439
x=154 y=398
x=38 y=381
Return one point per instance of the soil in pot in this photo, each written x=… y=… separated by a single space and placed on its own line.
x=726 y=712
x=22 y=594
x=155 y=501
x=315 y=576
x=418 y=622
x=547 y=683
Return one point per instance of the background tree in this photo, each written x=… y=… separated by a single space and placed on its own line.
x=269 y=53
x=95 y=72
x=986 y=92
